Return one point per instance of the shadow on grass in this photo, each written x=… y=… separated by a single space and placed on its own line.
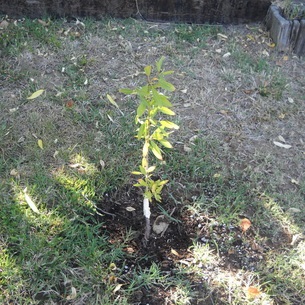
x=70 y=255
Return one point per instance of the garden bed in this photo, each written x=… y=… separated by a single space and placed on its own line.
x=288 y=34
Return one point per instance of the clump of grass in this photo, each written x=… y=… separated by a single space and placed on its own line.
x=21 y=34
x=195 y=33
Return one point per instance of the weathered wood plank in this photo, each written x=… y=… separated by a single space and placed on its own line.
x=299 y=48
x=194 y=11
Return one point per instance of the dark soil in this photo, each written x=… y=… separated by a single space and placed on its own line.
x=236 y=249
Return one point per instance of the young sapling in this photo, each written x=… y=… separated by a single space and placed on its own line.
x=154 y=131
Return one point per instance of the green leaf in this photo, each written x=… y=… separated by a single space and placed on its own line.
x=167 y=72
x=141 y=182
x=156 y=150
x=169 y=124
x=160 y=99
x=143 y=91
x=165 y=85
x=142 y=170
x=167 y=111
x=157 y=197
x=141 y=131
x=154 y=187
x=35 y=94
x=141 y=109
x=147 y=70
x=159 y=64
x=166 y=144
x=127 y=91
x=148 y=195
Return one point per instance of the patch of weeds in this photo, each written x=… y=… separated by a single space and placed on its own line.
x=284 y=275
x=44 y=33
x=181 y=293
x=247 y=62
x=292 y=10
x=55 y=252
x=19 y=35
x=147 y=278
x=74 y=71
x=91 y=25
x=195 y=33
x=272 y=84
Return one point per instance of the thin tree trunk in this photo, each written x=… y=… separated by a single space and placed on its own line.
x=146 y=210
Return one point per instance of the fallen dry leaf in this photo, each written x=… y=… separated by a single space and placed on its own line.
x=130 y=250
x=69 y=104
x=231 y=251
x=4 y=24
x=42 y=22
x=279 y=144
x=295 y=181
x=73 y=294
x=117 y=288
x=253 y=292
x=187 y=149
x=290 y=100
x=245 y=224
x=102 y=164
x=14 y=173
x=30 y=202
x=221 y=36
x=112 y=279
x=173 y=251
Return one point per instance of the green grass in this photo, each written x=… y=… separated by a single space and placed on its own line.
x=22 y=35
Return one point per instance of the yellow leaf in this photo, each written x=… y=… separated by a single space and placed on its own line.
x=250 y=37
x=40 y=143
x=145 y=149
x=271 y=45
x=112 y=266
x=112 y=101
x=35 y=94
